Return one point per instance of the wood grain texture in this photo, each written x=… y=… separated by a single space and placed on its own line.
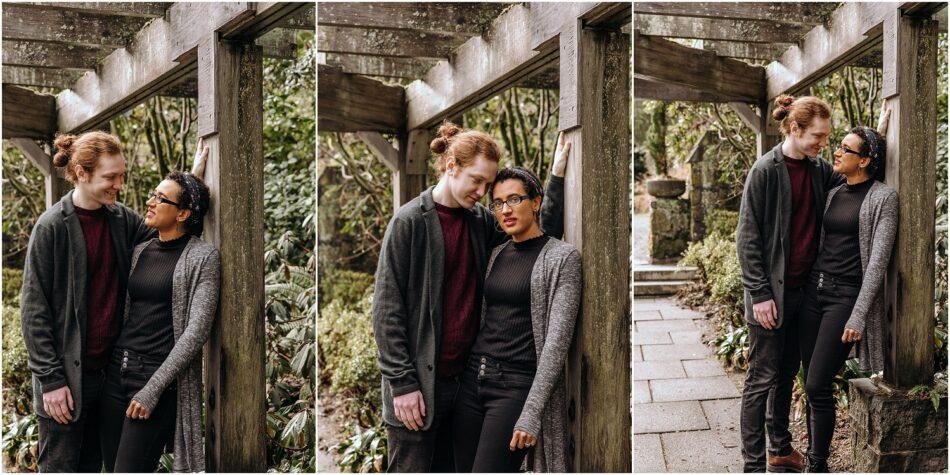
x=597 y=221
x=37 y=55
x=27 y=114
x=735 y=49
x=410 y=179
x=40 y=77
x=234 y=357
x=68 y=26
x=791 y=13
x=378 y=42
x=380 y=66
x=647 y=89
x=468 y=19
x=353 y=103
x=910 y=168
x=750 y=31
x=133 y=9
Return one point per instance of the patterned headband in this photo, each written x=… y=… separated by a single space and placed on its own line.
x=873 y=144
x=529 y=178
x=191 y=187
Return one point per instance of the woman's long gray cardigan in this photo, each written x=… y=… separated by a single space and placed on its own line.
x=877 y=227
x=555 y=299
x=195 y=287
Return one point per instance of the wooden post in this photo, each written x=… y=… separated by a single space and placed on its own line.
x=410 y=178
x=697 y=206
x=230 y=115
x=767 y=134
x=910 y=86
x=55 y=185
x=595 y=110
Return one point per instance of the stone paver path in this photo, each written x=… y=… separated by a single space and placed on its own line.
x=686 y=410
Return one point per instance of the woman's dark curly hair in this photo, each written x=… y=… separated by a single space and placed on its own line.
x=530 y=181
x=874 y=147
x=194 y=196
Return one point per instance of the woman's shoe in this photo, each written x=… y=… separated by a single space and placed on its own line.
x=817 y=466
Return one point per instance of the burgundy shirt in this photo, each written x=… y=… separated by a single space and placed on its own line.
x=102 y=288
x=803 y=228
x=459 y=319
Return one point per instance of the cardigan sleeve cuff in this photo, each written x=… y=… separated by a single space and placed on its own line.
x=760 y=296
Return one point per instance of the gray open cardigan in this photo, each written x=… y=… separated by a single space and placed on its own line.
x=877 y=227
x=195 y=287
x=555 y=299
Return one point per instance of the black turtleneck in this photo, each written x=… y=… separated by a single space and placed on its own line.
x=841 y=250
x=149 y=327
x=506 y=334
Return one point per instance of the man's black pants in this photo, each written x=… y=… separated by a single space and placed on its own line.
x=774 y=360
x=74 y=447
x=429 y=450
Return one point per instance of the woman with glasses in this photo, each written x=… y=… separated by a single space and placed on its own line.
x=512 y=395
x=153 y=389
x=844 y=298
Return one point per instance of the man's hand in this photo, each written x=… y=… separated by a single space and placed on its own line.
x=765 y=313
x=561 y=153
x=58 y=403
x=410 y=409
x=850 y=335
x=520 y=440
x=201 y=160
x=136 y=411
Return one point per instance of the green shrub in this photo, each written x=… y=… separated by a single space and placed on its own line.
x=364 y=451
x=347 y=354
x=17 y=391
x=722 y=222
x=345 y=287
x=718 y=264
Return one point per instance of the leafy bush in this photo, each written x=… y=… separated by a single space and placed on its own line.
x=364 y=451
x=345 y=287
x=732 y=347
x=718 y=268
x=722 y=222
x=347 y=355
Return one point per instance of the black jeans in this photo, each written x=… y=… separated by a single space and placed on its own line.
x=490 y=401
x=828 y=305
x=774 y=359
x=134 y=445
x=74 y=447
x=430 y=450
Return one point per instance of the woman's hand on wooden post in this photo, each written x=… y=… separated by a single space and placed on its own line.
x=520 y=440
x=136 y=411
x=201 y=160
x=561 y=153
x=885 y=117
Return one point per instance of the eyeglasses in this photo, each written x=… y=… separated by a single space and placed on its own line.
x=848 y=150
x=513 y=201
x=161 y=199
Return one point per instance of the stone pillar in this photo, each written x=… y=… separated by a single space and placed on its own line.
x=891 y=432
x=669 y=220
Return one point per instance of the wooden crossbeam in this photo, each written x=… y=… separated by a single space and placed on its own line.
x=790 y=13
x=664 y=61
x=469 y=19
x=646 y=89
x=280 y=43
x=521 y=42
x=27 y=114
x=381 y=148
x=68 y=26
x=39 y=77
x=394 y=43
x=161 y=54
x=133 y=9
x=409 y=68
x=54 y=184
x=734 y=49
x=302 y=19
x=749 y=31
x=353 y=103
x=51 y=55
x=852 y=30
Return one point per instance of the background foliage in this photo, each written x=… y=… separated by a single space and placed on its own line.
x=159 y=136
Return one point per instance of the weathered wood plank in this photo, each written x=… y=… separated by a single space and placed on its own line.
x=750 y=31
x=853 y=29
x=791 y=13
x=734 y=49
x=353 y=103
x=27 y=114
x=521 y=42
x=409 y=68
x=395 y=43
x=381 y=148
x=468 y=19
x=161 y=54
x=665 y=61
x=39 y=77
x=303 y=19
x=410 y=179
x=910 y=66
x=54 y=184
x=598 y=371
x=746 y=115
x=280 y=43
x=51 y=55
x=646 y=89
x=133 y=9
x=234 y=360
x=68 y=26
x=769 y=134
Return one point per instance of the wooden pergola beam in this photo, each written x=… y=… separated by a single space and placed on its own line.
x=302 y=19
x=279 y=43
x=852 y=30
x=50 y=55
x=132 y=9
x=658 y=91
x=468 y=19
x=68 y=26
x=39 y=77
x=392 y=43
x=735 y=49
x=161 y=54
x=790 y=13
x=749 y=31
x=665 y=61
x=410 y=68
x=27 y=114
x=521 y=42
x=353 y=103
x=54 y=184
